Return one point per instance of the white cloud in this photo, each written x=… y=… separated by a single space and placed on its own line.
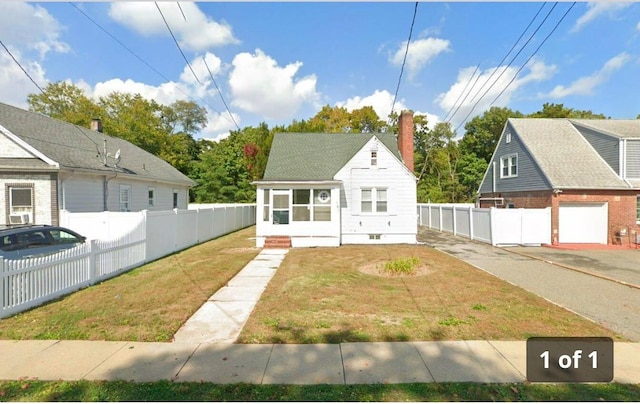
x=420 y=53
x=165 y=93
x=472 y=95
x=14 y=84
x=219 y=125
x=260 y=86
x=197 y=33
x=597 y=9
x=586 y=85
x=29 y=27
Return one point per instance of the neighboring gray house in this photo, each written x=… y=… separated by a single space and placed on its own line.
x=586 y=170
x=327 y=189
x=47 y=165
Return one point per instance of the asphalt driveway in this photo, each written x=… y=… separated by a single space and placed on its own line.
x=622 y=265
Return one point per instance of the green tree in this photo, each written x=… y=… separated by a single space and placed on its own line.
x=66 y=102
x=482 y=132
x=559 y=111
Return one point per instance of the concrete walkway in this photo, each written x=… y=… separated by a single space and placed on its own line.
x=223 y=316
x=347 y=363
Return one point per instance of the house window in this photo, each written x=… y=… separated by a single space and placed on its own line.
x=265 y=210
x=21 y=203
x=509 y=166
x=321 y=205
x=508 y=137
x=125 y=198
x=374 y=158
x=151 y=194
x=301 y=205
x=638 y=209
x=175 y=199
x=373 y=200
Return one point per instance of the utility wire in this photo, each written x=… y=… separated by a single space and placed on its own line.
x=180 y=7
x=145 y=62
x=508 y=65
x=220 y=92
x=177 y=44
x=406 y=51
x=462 y=92
x=42 y=91
x=534 y=53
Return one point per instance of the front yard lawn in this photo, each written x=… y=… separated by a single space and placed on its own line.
x=149 y=303
x=332 y=295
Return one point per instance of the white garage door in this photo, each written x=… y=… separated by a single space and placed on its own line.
x=583 y=223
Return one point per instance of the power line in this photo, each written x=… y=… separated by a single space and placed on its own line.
x=20 y=66
x=508 y=65
x=42 y=91
x=146 y=63
x=462 y=92
x=180 y=7
x=220 y=92
x=177 y=44
x=406 y=51
x=534 y=53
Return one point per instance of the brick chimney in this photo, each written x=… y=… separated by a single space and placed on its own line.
x=96 y=124
x=405 y=138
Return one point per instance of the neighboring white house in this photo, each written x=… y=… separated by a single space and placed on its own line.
x=47 y=166
x=325 y=189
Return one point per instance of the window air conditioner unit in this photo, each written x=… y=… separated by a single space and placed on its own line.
x=19 y=219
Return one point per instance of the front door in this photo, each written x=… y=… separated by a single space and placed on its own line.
x=280 y=206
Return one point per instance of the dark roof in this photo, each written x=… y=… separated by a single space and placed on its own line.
x=317 y=156
x=74 y=147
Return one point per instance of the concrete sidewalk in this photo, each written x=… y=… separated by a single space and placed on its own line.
x=346 y=363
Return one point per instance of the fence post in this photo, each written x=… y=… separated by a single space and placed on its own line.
x=491 y=226
x=440 y=217
x=429 y=214
x=455 y=222
x=93 y=246
x=471 y=222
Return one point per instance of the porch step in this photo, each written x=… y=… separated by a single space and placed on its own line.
x=277 y=242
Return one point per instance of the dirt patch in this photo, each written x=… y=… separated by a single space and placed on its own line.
x=377 y=269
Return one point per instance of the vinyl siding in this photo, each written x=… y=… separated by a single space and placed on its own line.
x=390 y=174
x=607 y=147
x=9 y=149
x=529 y=178
x=633 y=159
x=82 y=193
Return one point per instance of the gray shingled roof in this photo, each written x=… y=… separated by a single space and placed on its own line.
x=620 y=128
x=317 y=156
x=565 y=157
x=73 y=147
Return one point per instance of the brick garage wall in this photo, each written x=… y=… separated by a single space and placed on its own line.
x=621 y=210
x=527 y=200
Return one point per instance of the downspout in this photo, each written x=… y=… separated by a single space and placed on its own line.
x=105 y=192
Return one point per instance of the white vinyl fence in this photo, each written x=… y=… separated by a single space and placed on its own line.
x=489 y=225
x=27 y=283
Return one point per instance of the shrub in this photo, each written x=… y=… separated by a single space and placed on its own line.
x=401 y=266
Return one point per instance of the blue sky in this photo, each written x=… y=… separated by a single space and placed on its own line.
x=276 y=62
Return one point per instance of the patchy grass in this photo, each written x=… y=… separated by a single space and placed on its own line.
x=149 y=303
x=401 y=266
x=330 y=295
x=39 y=391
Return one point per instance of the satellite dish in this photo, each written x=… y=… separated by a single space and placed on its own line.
x=117 y=157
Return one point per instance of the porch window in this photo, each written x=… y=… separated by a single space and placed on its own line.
x=125 y=198
x=509 y=166
x=265 y=210
x=301 y=205
x=281 y=208
x=322 y=205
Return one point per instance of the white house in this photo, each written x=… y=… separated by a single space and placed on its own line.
x=326 y=189
x=47 y=166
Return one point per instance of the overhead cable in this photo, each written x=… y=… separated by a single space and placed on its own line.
x=406 y=51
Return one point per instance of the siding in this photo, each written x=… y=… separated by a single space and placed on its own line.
x=530 y=177
x=401 y=194
x=633 y=159
x=82 y=193
x=9 y=149
x=607 y=147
